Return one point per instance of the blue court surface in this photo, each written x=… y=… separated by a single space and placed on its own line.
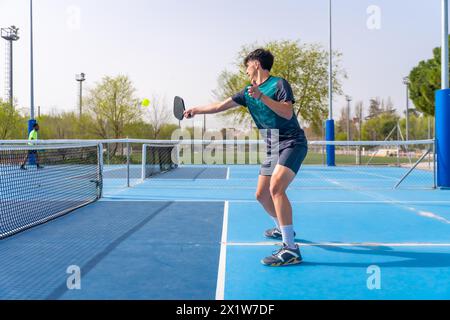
x=197 y=233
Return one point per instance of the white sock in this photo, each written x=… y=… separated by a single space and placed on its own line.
x=288 y=236
x=277 y=223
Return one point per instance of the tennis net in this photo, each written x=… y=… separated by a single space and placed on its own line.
x=54 y=181
x=159 y=158
x=359 y=164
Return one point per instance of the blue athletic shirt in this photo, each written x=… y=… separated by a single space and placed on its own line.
x=277 y=89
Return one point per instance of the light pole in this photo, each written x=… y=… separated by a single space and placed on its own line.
x=80 y=78
x=330 y=62
x=10 y=34
x=442 y=115
x=406 y=83
x=32 y=121
x=360 y=115
x=349 y=100
x=360 y=121
x=445 y=49
x=331 y=162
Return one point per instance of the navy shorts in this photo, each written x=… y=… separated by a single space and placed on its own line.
x=291 y=154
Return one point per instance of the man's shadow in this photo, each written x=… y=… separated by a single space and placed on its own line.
x=410 y=259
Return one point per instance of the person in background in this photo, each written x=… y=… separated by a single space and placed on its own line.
x=33 y=137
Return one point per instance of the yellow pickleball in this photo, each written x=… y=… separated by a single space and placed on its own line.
x=145 y=103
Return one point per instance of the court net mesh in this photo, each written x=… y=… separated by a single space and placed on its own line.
x=159 y=158
x=40 y=183
x=359 y=164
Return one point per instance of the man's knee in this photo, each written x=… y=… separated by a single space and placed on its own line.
x=262 y=196
x=276 y=189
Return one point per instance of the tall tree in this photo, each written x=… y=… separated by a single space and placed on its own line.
x=113 y=105
x=61 y=126
x=341 y=125
x=358 y=119
x=424 y=80
x=418 y=126
x=9 y=121
x=378 y=128
x=374 y=107
x=158 y=115
x=305 y=66
x=388 y=105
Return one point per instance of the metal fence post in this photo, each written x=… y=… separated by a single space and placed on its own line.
x=107 y=153
x=434 y=164
x=128 y=163
x=144 y=161
x=100 y=169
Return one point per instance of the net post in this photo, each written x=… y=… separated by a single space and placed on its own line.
x=323 y=147
x=144 y=160
x=358 y=156
x=100 y=168
x=443 y=138
x=324 y=162
x=128 y=163
x=398 y=147
x=331 y=159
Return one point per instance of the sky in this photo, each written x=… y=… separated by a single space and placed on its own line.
x=175 y=47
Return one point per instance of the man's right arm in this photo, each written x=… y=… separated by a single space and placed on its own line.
x=211 y=108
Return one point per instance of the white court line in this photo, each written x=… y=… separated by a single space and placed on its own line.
x=333 y=244
x=233 y=187
x=370 y=174
x=418 y=202
x=384 y=199
x=300 y=178
x=183 y=180
x=220 y=288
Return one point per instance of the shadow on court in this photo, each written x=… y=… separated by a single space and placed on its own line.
x=125 y=250
x=410 y=259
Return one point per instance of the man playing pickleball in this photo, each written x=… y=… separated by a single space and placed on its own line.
x=270 y=102
x=33 y=136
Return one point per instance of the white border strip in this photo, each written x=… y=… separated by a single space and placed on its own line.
x=336 y=244
x=220 y=289
x=221 y=142
x=111 y=197
x=48 y=147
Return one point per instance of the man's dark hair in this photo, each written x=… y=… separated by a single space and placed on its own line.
x=35 y=125
x=265 y=58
